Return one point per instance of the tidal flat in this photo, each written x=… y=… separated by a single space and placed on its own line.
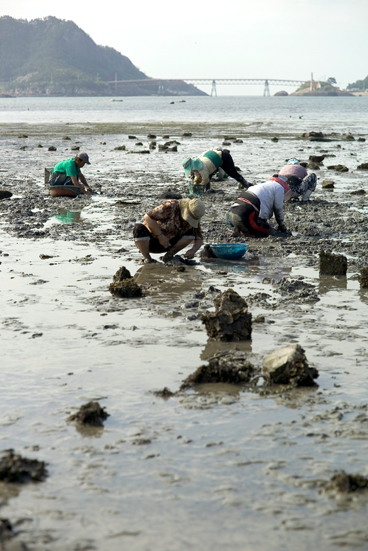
x=218 y=466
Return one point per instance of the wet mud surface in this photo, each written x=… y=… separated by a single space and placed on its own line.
x=217 y=464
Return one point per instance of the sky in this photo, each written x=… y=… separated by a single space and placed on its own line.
x=275 y=39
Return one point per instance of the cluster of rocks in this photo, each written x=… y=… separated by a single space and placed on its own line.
x=231 y=321
x=124 y=286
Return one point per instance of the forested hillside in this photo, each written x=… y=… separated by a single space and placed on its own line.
x=53 y=56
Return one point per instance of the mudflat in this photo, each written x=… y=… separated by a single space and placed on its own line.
x=212 y=466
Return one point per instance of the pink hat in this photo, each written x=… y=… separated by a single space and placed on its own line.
x=293 y=170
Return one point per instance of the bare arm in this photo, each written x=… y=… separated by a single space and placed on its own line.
x=156 y=231
x=196 y=246
x=84 y=187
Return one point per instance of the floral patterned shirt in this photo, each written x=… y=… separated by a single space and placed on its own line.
x=168 y=217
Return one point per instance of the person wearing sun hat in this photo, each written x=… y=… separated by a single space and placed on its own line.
x=253 y=208
x=301 y=184
x=169 y=228
x=68 y=173
x=201 y=169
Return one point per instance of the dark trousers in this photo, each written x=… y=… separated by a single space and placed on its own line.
x=141 y=232
x=229 y=167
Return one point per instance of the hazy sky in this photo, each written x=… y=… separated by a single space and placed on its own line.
x=229 y=38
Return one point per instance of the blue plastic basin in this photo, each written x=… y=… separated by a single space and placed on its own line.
x=229 y=251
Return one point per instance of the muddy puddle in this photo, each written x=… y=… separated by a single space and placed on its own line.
x=213 y=467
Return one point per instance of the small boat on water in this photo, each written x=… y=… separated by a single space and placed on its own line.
x=64 y=191
x=116 y=100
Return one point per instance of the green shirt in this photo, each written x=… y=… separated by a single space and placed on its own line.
x=67 y=167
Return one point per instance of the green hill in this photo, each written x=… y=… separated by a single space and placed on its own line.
x=51 y=56
x=359 y=85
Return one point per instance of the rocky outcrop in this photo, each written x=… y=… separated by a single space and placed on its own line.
x=288 y=365
x=332 y=264
x=231 y=321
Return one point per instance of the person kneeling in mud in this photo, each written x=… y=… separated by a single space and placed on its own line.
x=252 y=209
x=201 y=169
x=169 y=228
x=301 y=184
x=68 y=173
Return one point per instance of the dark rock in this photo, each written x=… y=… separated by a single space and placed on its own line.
x=316 y=158
x=338 y=168
x=23 y=148
x=358 y=192
x=346 y=483
x=226 y=367
x=274 y=139
x=152 y=145
x=231 y=321
x=304 y=164
x=174 y=148
x=361 y=139
x=363 y=277
x=75 y=148
x=120 y=148
x=151 y=136
x=66 y=138
x=281 y=93
x=313 y=166
x=122 y=274
x=90 y=414
x=187 y=134
x=363 y=166
x=328 y=184
x=45 y=256
x=350 y=138
x=5 y=194
x=22 y=136
x=15 y=468
x=126 y=289
x=139 y=143
x=162 y=147
x=52 y=148
x=288 y=365
x=132 y=137
x=332 y=264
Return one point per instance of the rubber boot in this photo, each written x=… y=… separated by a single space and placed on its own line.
x=307 y=195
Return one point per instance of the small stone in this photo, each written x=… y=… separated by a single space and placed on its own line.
x=332 y=264
x=361 y=139
x=328 y=184
x=347 y=483
x=66 y=138
x=120 y=148
x=274 y=139
x=132 y=137
x=363 y=166
x=363 y=278
x=122 y=274
x=126 y=289
x=90 y=414
x=288 y=365
x=51 y=148
x=316 y=158
x=338 y=168
x=187 y=134
x=5 y=194
x=75 y=148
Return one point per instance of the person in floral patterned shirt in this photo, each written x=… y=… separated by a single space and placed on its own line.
x=169 y=228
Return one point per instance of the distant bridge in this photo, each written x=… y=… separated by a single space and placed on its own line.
x=162 y=84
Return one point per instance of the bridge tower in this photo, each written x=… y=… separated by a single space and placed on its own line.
x=213 y=89
x=161 y=89
x=266 y=91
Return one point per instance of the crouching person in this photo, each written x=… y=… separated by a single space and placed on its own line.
x=169 y=228
x=252 y=209
x=301 y=183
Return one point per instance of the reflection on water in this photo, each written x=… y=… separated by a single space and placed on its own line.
x=69 y=216
x=331 y=283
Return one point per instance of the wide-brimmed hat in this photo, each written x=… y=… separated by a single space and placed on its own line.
x=83 y=157
x=192 y=164
x=192 y=210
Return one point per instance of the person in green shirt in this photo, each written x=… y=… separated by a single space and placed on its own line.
x=68 y=173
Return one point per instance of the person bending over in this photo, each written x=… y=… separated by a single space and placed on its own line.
x=202 y=168
x=169 y=228
x=301 y=184
x=68 y=173
x=254 y=207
